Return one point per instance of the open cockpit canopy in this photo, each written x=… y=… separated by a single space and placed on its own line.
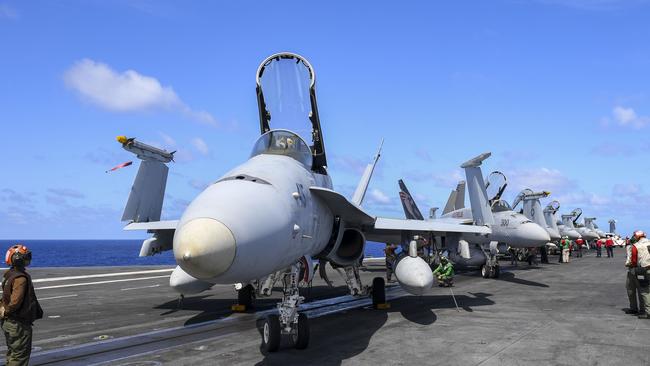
x=283 y=142
x=286 y=97
x=500 y=206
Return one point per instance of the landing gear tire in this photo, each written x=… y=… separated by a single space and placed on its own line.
x=245 y=296
x=485 y=271
x=378 y=291
x=271 y=333
x=301 y=337
x=496 y=270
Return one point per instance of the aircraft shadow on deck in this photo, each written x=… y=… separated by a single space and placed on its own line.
x=219 y=308
x=331 y=343
x=510 y=277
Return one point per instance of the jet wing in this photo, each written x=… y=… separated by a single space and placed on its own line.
x=153 y=225
x=388 y=230
x=439 y=227
x=350 y=213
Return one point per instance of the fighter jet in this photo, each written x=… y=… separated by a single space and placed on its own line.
x=587 y=233
x=532 y=209
x=265 y=221
x=550 y=216
x=590 y=224
x=507 y=226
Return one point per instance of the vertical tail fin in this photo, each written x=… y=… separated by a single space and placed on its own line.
x=360 y=192
x=550 y=214
x=481 y=210
x=589 y=223
x=460 y=195
x=411 y=210
x=451 y=203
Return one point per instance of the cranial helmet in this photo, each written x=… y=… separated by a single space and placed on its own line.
x=443 y=259
x=18 y=256
x=637 y=236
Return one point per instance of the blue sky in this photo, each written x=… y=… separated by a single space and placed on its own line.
x=556 y=90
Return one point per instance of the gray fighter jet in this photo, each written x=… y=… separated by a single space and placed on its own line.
x=265 y=222
x=507 y=226
x=588 y=234
x=550 y=216
x=532 y=209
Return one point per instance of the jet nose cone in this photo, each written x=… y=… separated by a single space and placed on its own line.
x=573 y=235
x=554 y=235
x=204 y=247
x=534 y=234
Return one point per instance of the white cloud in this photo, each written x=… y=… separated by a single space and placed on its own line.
x=126 y=91
x=379 y=197
x=626 y=117
x=168 y=140
x=8 y=12
x=200 y=145
x=538 y=179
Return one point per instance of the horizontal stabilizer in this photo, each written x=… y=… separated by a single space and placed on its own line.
x=152 y=225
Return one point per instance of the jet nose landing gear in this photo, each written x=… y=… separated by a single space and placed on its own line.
x=288 y=321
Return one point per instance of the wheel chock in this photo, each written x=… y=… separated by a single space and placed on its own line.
x=383 y=306
x=238 y=308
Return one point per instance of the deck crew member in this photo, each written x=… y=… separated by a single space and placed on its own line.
x=390 y=254
x=631 y=283
x=566 y=245
x=609 y=245
x=599 y=248
x=579 y=243
x=641 y=257
x=19 y=306
x=444 y=272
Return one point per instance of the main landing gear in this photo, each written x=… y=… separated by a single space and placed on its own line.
x=491 y=267
x=288 y=321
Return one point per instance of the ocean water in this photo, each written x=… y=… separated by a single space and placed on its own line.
x=82 y=253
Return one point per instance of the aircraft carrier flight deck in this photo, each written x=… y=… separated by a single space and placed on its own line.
x=550 y=314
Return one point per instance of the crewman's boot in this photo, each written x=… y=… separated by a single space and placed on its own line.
x=630 y=311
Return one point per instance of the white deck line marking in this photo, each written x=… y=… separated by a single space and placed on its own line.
x=101 y=275
x=57 y=297
x=100 y=282
x=138 y=288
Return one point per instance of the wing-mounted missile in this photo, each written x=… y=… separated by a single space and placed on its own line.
x=144 y=151
x=144 y=206
x=148 y=190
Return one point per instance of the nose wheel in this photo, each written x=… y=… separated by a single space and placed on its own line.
x=288 y=321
